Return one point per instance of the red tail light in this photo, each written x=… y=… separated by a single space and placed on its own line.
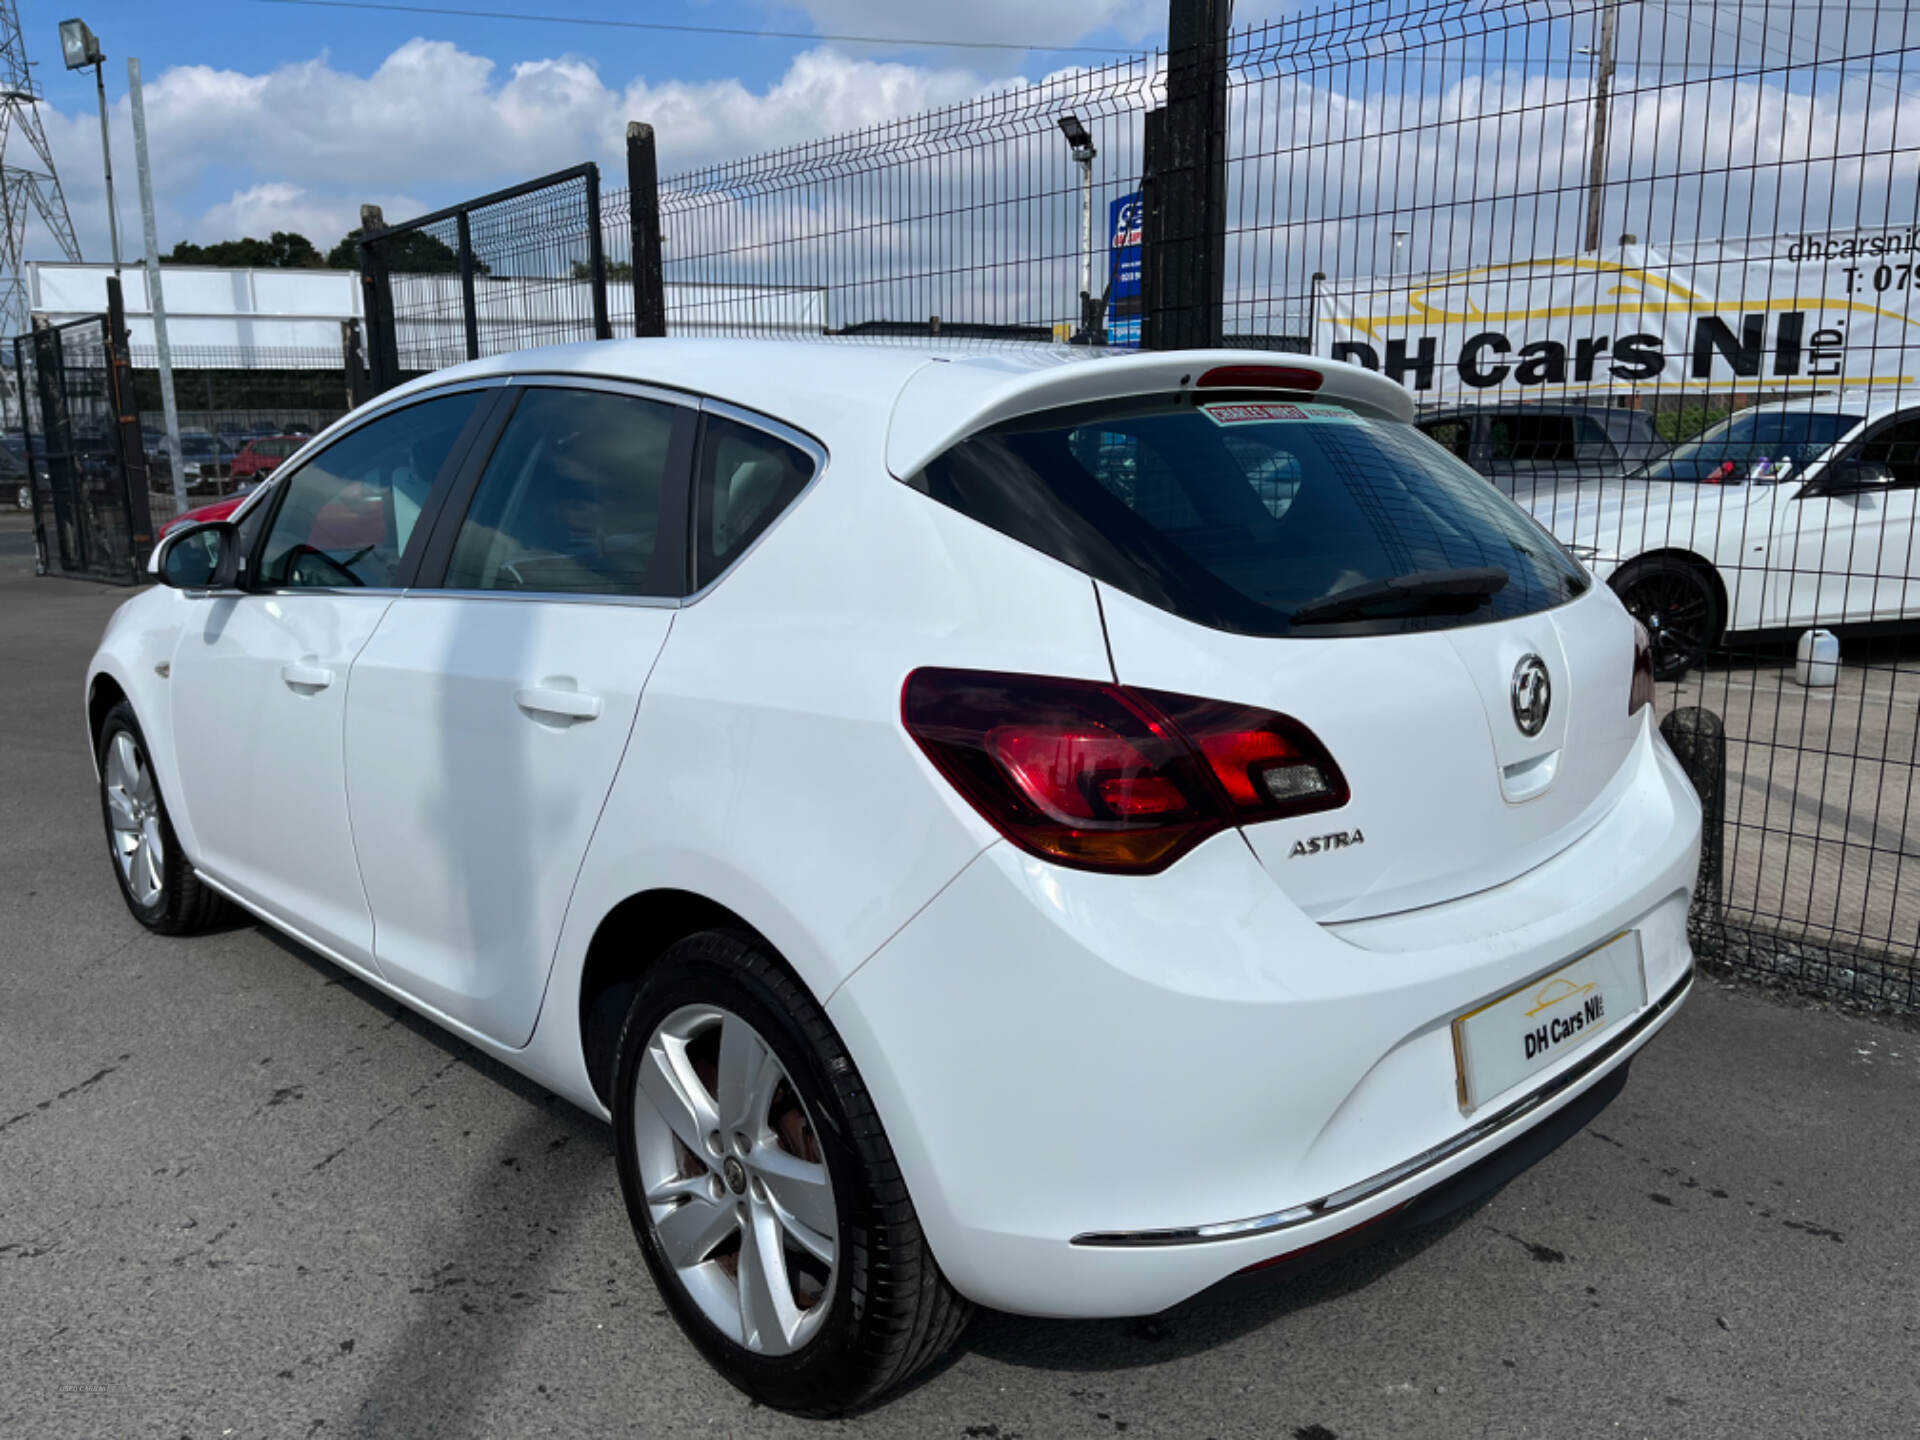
x=1105 y=777
x=1641 y=691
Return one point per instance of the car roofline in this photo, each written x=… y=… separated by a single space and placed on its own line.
x=942 y=404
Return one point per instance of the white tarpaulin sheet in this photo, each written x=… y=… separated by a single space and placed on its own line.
x=1758 y=317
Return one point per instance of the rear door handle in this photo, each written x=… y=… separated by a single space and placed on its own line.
x=572 y=704
x=306 y=677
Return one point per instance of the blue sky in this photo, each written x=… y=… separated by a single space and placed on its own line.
x=271 y=116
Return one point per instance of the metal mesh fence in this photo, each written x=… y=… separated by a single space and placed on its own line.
x=512 y=270
x=70 y=456
x=1646 y=267
x=242 y=410
x=963 y=221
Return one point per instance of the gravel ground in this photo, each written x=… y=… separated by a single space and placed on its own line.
x=243 y=1195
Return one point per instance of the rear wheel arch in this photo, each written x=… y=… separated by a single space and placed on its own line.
x=629 y=938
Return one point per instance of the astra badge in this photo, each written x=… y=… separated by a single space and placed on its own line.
x=1321 y=844
x=1532 y=695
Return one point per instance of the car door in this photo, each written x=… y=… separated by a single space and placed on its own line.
x=259 y=678
x=489 y=712
x=1852 y=556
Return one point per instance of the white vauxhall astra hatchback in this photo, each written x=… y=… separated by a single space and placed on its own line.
x=1036 y=829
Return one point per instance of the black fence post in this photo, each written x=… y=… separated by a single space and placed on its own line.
x=1184 y=185
x=643 y=210
x=128 y=443
x=353 y=362
x=1698 y=740
x=597 y=257
x=469 y=308
x=376 y=296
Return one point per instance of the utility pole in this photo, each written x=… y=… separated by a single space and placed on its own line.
x=1597 y=163
x=156 y=296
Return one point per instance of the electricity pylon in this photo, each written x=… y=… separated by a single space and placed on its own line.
x=33 y=183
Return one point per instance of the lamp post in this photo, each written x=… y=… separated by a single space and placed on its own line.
x=1081 y=144
x=80 y=47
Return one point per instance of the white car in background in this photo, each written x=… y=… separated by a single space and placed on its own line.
x=1784 y=516
x=1029 y=828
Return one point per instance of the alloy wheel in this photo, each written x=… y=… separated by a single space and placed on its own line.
x=133 y=805
x=736 y=1189
x=1678 y=613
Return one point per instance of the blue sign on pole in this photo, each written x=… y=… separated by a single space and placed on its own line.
x=1123 y=272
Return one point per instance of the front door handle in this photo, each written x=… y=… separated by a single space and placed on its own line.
x=571 y=704
x=300 y=676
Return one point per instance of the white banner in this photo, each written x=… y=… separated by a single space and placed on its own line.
x=1756 y=317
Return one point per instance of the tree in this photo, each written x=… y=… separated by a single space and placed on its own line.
x=616 y=270
x=414 y=252
x=283 y=250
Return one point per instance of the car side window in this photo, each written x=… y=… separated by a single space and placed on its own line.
x=1896 y=446
x=1591 y=441
x=746 y=477
x=349 y=512
x=1452 y=435
x=570 y=502
x=1532 y=438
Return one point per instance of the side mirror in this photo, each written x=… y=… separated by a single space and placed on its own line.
x=200 y=557
x=1853 y=477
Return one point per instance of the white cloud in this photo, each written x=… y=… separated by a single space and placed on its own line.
x=259 y=210
x=435 y=122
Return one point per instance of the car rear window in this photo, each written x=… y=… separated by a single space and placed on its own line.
x=1241 y=516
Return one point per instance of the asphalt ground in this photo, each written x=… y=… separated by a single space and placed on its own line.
x=243 y=1195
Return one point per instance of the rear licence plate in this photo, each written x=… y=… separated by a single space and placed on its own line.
x=1503 y=1042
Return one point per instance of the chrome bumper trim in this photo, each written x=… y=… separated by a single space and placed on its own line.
x=1353 y=1194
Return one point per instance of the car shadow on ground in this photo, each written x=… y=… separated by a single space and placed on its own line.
x=1226 y=1312
x=493 y=1254
x=486 y=1279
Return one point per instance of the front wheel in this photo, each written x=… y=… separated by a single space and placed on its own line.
x=1680 y=606
x=764 y=1194
x=155 y=878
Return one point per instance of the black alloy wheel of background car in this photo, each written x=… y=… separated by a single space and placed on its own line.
x=1680 y=606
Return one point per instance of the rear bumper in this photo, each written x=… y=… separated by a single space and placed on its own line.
x=1108 y=1093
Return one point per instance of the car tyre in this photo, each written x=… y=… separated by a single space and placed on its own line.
x=156 y=879
x=1679 y=604
x=866 y=1309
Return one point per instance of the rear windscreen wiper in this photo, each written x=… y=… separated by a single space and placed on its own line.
x=1424 y=591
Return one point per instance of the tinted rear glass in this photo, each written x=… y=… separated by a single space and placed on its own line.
x=1241 y=516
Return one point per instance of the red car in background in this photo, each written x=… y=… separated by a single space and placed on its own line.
x=218 y=510
x=259 y=458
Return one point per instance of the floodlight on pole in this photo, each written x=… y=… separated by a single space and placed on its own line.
x=1081 y=145
x=80 y=47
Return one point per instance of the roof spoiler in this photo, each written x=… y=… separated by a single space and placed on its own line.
x=943 y=402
